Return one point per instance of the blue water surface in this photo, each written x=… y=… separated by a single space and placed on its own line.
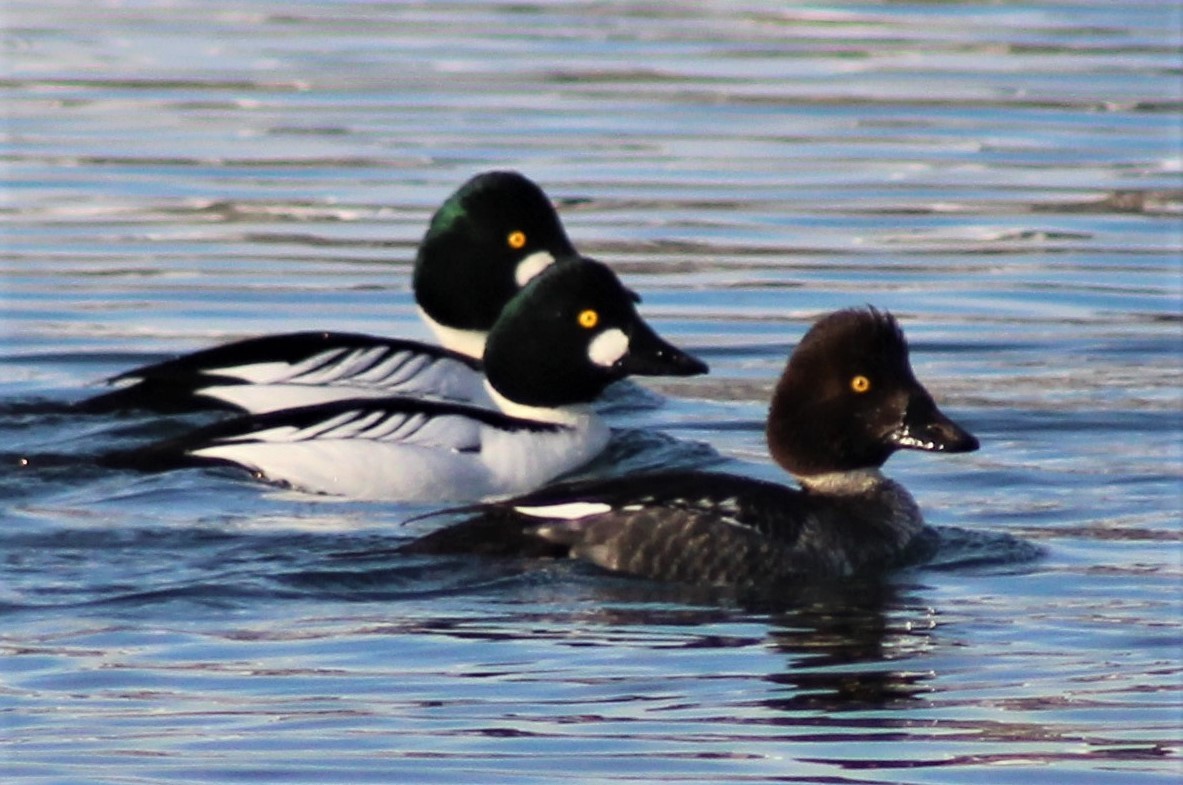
x=1005 y=177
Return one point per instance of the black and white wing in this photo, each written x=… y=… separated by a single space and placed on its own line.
x=373 y=448
x=690 y=527
x=296 y=369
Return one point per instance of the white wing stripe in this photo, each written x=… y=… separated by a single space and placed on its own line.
x=381 y=426
x=283 y=434
x=396 y=427
x=322 y=428
x=569 y=511
x=384 y=428
x=394 y=370
x=257 y=373
x=355 y=428
x=343 y=366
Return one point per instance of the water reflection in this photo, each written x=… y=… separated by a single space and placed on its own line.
x=848 y=646
x=1003 y=176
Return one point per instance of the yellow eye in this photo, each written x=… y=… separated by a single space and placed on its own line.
x=860 y=384
x=588 y=319
x=516 y=240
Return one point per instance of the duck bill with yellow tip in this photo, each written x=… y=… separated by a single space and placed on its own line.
x=925 y=427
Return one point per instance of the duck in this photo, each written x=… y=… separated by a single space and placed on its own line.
x=484 y=243
x=571 y=332
x=846 y=401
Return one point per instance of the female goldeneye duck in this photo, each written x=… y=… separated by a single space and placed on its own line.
x=568 y=335
x=489 y=239
x=846 y=401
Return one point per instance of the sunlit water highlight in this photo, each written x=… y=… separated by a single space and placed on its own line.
x=1004 y=177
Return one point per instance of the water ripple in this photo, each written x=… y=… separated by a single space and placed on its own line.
x=1003 y=177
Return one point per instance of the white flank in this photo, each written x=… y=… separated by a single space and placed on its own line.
x=608 y=347
x=569 y=511
x=531 y=266
x=448 y=458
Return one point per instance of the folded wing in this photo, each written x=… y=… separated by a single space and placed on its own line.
x=296 y=369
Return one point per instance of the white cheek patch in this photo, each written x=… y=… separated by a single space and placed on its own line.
x=608 y=347
x=531 y=266
x=570 y=511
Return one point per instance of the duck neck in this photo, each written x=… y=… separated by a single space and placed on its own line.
x=469 y=342
x=868 y=493
x=572 y=415
x=844 y=483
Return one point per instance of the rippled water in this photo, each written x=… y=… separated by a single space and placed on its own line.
x=1005 y=177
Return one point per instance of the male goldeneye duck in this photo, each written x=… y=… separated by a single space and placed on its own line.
x=493 y=235
x=564 y=338
x=846 y=401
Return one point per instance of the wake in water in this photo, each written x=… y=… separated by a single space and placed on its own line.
x=961 y=549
